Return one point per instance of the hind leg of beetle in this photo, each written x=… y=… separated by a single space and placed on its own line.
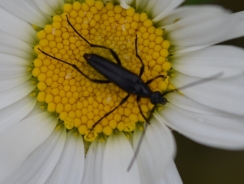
x=150 y=115
x=137 y=55
x=121 y=103
x=116 y=57
x=76 y=68
x=151 y=80
x=152 y=111
x=145 y=118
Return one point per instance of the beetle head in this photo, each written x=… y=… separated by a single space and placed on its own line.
x=157 y=98
x=87 y=57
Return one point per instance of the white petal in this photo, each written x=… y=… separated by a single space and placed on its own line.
x=45 y=7
x=14 y=113
x=195 y=34
x=171 y=176
x=197 y=26
x=117 y=156
x=41 y=163
x=71 y=164
x=50 y=7
x=16 y=27
x=21 y=140
x=236 y=19
x=7 y=59
x=14 y=68
x=182 y=50
x=26 y=10
x=14 y=46
x=202 y=124
x=184 y=14
x=36 y=110
x=125 y=3
x=141 y=4
x=161 y=8
x=224 y=94
x=15 y=94
x=93 y=164
x=7 y=84
x=238 y=29
x=156 y=151
x=186 y=103
x=11 y=72
x=157 y=9
x=206 y=62
x=56 y=5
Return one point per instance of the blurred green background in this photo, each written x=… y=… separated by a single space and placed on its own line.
x=198 y=164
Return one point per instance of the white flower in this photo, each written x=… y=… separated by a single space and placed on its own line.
x=35 y=146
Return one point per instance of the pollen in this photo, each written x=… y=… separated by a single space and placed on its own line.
x=85 y=105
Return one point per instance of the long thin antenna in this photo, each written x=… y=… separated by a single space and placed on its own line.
x=201 y=81
x=77 y=31
x=140 y=141
x=137 y=148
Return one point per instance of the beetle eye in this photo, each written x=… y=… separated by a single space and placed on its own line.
x=87 y=56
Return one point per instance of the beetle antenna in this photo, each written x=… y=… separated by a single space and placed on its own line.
x=140 y=141
x=77 y=31
x=201 y=81
x=137 y=148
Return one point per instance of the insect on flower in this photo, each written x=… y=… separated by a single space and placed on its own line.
x=53 y=108
x=120 y=76
x=125 y=79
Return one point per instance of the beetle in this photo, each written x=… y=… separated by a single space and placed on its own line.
x=120 y=76
x=124 y=78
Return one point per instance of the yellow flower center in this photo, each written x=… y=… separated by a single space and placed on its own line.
x=79 y=102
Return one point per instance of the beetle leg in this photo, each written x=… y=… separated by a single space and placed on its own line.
x=75 y=67
x=137 y=55
x=137 y=100
x=121 y=103
x=149 y=81
x=152 y=111
x=116 y=57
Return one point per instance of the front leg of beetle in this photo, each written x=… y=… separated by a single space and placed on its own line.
x=75 y=67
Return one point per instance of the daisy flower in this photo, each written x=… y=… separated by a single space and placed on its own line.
x=52 y=128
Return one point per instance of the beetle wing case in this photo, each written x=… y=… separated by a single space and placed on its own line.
x=115 y=73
